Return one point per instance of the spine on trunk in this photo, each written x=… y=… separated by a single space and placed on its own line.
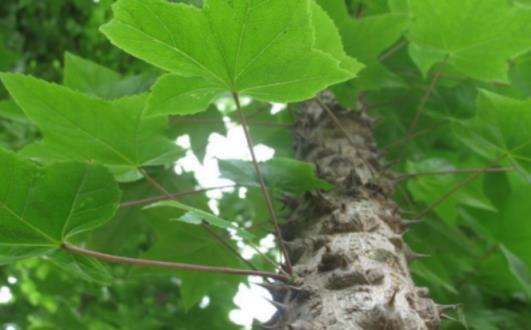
x=346 y=244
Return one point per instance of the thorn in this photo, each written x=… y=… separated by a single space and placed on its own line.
x=392 y=299
x=410 y=255
x=402 y=211
x=407 y=223
x=300 y=325
x=423 y=292
x=272 y=324
x=295 y=250
x=397 y=242
x=421 y=256
x=282 y=308
x=290 y=202
x=274 y=288
x=444 y=308
x=280 y=288
x=448 y=317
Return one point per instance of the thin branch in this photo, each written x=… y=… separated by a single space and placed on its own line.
x=406 y=176
x=416 y=134
x=456 y=188
x=462 y=78
x=448 y=194
x=176 y=195
x=219 y=238
x=218 y=122
x=424 y=101
x=175 y=265
x=395 y=101
x=426 y=96
x=336 y=121
x=469 y=275
x=227 y=245
x=263 y=187
x=393 y=50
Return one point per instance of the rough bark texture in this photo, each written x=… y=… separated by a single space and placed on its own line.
x=346 y=244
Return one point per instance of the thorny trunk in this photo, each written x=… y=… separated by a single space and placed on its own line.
x=346 y=244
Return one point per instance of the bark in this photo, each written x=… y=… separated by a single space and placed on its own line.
x=346 y=244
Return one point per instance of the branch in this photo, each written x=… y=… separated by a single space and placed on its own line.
x=218 y=122
x=219 y=238
x=456 y=171
x=175 y=265
x=456 y=188
x=424 y=101
x=176 y=195
x=415 y=135
x=392 y=51
x=263 y=187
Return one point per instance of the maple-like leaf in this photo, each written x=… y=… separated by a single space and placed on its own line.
x=271 y=50
x=41 y=207
x=476 y=37
x=196 y=216
x=82 y=127
x=501 y=128
x=91 y=78
x=281 y=174
x=182 y=242
x=365 y=38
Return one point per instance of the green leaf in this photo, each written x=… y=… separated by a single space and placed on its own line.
x=91 y=78
x=501 y=127
x=478 y=37
x=272 y=130
x=510 y=226
x=366 y=38
x=10 y=110
x=85 y=268
x=519 y=270
x=181 y=242
x=267 y=50
x=428 y=189
x=399 y=6
x=282 y=174
x=196 y=216
x=198 y=127
x=40 y=209
x=182 y=95
x=81 y=127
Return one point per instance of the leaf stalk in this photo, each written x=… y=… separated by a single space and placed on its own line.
x=174 y=265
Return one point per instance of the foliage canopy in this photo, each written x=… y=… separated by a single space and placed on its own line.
x=92 y=154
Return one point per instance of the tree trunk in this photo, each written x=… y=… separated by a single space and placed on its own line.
x=346 y=244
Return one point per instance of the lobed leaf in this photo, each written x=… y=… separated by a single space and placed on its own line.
x=197 y=216
x=501 y=128
x=94 y=79
x=40 y=209
x=270 y=50
x=477 y=37
x=82 y=127
x=282 y=174
x=182 y=242
x=365 y=38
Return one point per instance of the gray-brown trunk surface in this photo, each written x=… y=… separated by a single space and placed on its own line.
x=346 y=244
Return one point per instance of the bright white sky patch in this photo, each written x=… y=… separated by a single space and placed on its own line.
x=204 y=302
x=251 y=300
x=5 y=295
x=253 y=304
